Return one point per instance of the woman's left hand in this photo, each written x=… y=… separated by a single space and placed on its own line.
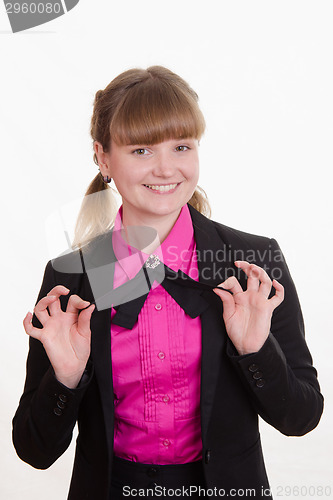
x=247 y=313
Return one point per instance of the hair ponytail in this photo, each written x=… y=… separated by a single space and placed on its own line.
x=97 y=213
x=200 y=202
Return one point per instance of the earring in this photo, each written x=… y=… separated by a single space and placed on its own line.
x=105 y=178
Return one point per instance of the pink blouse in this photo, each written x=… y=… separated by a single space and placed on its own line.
x=156 y=365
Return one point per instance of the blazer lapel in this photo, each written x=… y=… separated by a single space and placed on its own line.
x=214 y=265
x=99 y=262
x=101 y=354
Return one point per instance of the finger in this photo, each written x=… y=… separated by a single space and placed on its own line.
x=40 y=309
x=265 y=281
x=29 y=328
x=83 y=324
x=258 y=279
x=252 y=273
x=278 y=297
x=75 y=304
x=265 y=285
x=228 y=303
x=231 y=284
x=57 y=291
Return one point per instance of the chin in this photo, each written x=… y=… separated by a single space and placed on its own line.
x=166 y=208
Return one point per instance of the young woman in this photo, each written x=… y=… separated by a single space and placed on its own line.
x=166 y=386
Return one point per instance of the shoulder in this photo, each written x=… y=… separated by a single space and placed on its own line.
x=237 y=237
x=230 y=236
x=69 y=262
x=254 y=248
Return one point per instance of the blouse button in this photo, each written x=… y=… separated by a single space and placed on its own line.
x=166 y=399
x=161 y=355
x=158 y=307
x=166 y=443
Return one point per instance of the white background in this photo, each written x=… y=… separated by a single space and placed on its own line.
x=263 y=72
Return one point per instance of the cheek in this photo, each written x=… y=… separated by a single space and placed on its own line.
x=193 y=172
x=127 y=178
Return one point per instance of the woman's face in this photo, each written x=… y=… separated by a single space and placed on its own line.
x=152 y=180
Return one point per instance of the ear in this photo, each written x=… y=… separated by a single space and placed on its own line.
x=102 y=158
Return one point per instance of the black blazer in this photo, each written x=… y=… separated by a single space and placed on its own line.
x=278 y=383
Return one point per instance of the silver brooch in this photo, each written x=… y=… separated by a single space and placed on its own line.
x=152 y=261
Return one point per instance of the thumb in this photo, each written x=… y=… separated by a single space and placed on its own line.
x=83 y=322
x=228 y=302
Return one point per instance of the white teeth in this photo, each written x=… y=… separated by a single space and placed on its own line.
x=161 y=188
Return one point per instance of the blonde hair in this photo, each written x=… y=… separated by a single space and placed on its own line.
x=138 y=107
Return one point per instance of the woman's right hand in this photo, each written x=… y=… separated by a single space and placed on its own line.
x=65 y=335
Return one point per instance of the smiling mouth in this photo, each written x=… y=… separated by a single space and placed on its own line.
x=162 y=189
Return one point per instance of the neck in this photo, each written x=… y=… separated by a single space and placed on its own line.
x=161 y=224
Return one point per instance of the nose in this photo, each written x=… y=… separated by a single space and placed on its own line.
x=164 y=165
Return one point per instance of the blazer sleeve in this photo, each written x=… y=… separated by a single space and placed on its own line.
x=280 y=377
x=47 y=411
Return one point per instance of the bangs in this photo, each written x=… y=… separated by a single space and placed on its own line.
x=154 y=111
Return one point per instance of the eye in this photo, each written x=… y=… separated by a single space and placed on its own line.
x=140 y=151
x=182 y=148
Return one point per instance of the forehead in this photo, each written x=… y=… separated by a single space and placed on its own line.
x=156 y=117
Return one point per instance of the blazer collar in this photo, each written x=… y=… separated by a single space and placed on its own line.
x=215 y=263
x=98 y=274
